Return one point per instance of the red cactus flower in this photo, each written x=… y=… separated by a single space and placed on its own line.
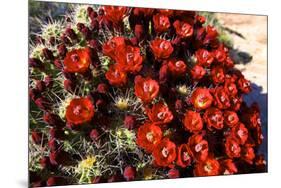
x=148 y=136
x=130 y=122
x=77 y=61
x=244 y=85
x=130 y=59
x=221 y=99
x=184 y=157
x=240 y=133
x=162 y=49
x=146 y=89
x=161 y=23
x=173 y=173
x=159 y=114
x=198 y=147
x=115 y=14
x=248 y=154
x=209 y=167
x=80 y=110
x=177 y=68
x=204 y=57
x=192 y=121
x=213 y=118
x=197 y=72
x=111 y=47
x=232 y=148
x=217 y=74
x=230 y=88
x=116 y=76
x=183 y=29
x=201 y=98
x=164 y=153
x=230 y=118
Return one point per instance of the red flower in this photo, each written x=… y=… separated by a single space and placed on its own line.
x=161 y=23
x=211 y=34
x=184 y=157
x=130 y=59
x=232 y=148
x=162 y=49
x=230 y=118
x=173 y=173
x=115 y=14
x=164 y=153
x=228 y=167
x=217 y=74
x=183 y=29
x=77 y=60
x=248 y=154
x=220 y=55
x=201 y=98
x=214 y=118
x=209 y=167
x=240 y=132
x=198 y=147
x=235 y=102
x=167 y=12
x=148 y=136
x=144 y=11
x=159 y=114
x=230 y=88
x=204 y=57
x=197 y=72
x=221 y=99
x=112 y=46
x=193 y=121
x=244 y=85
x=177 y=68
x=146 y=88
x=80 y=110
x=116 y=76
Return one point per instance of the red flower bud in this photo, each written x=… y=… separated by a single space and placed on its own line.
x=173 y=173
x=102 y=88
x=53 y=120
x=43 y=103
x=129 y=173
x=94 y=134
x=130 y=122
x=56 y=181
x=62 y=50
x=48 y=54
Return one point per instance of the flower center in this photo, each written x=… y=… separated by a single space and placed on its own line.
x=230 y=118
x=74 y=58
x=149 y=136
x=164 y=45
x=198 y=147
x=185 y=28
x=178 y=64
x=161 y=115
x=165 y=152
x=130 y=57
x=146 y=87
x=116 y=74
x=240 y=133
x=185 y=156
x=222 y=98
x=208 y=167
x=77 y=110
x=163 y=21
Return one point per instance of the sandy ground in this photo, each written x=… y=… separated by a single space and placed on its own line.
x=252 y=53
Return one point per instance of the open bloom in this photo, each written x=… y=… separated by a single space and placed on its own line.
x=204 y=57
x=148 y=136
x=209 y=167
x=146 y=88
x=177 y=67
x=162 y=49
x=214 y=118
x=183 y=29
x=217 y=74
x=115 y=14
x=165 y=153
x=184 y=158
x=161 y=23
x=197 y=72
x=230 y=118
x=159 y=114
x=201 y=98
x=232 y=147
x=221 y=99
x=112 y=46
x=116 y=76
x=228 y=167
x=240 y=133
x=80 y=110
x=198 y=147
x=192 y=121
x=77 y=61
x=129 y=59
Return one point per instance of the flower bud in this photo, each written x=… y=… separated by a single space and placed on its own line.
x=94 y=134
x=71 y=34
x=40 y=85
x=62 y=50
x=48 y=81
x=48 y=54
x=43 y=103
x=53 y=120
x=36 y=63
x=173 y=173
x=102 y=88
x=69 y=85
x=53 y=144
x=56 y=180
x=130 y=122
x=129 y=173
x=37 y=137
